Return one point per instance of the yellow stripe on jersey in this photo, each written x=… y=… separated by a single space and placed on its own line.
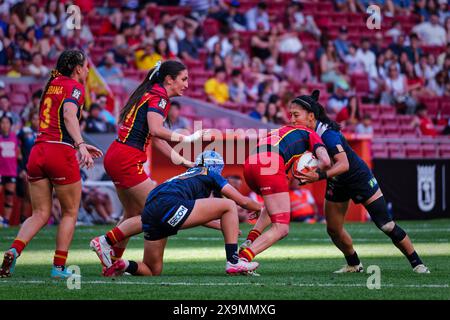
x=59 y=119
x=134 y=119
x=291 y=159
x=284 y=135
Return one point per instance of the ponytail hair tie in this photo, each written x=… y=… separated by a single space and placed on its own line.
x=156 y=70
x=55 y=73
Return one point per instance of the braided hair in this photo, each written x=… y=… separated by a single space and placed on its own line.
x=156 y=75
x=65 y=66
x=311 y=104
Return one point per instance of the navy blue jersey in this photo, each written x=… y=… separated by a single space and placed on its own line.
x=336 y=143
x=195 y=183
x=26 y=137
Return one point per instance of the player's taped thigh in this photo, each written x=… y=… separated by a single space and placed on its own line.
x=380 y=216
x=282 y=218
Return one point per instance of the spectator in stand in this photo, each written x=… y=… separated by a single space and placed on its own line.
x=176 y=122
x=216 y=87
x=5 y=109
x=398 y=46
x=200 y=8
x=16 y=70
x=367 y=57
x=259 y=110
x=396 y=92
x=237 y=58
x=423 y=121
x=95 y=123
x=286 y=41
x=162 y=48
x=338 y=101
x=413 y=50
x=346 y=5
x=416 y=85
x=273 y=114
x=31 y=41
x=19 y=15
x=171 y=38
x=365 y=126
x=9 y=157
x=235 y=19
x=258 y=15
x=189 y=47
x=37 y=67
x=434 y=66
x=443 y=55
x=54 y=14
x=431 y=33
x=297 y=70
x=222 y=38
x=447 y=29
x=329 y=66
x=443 y=12
x=214 y=59
x=422 y=69
x=237 y=88
x=354 y=63
x=31 y=107
x=395 y=31
x=350 y=114
x=303 y=205
x=403 y=7
x=49 y=45
x=261 y=45
x=17 y=50
x=296 y=21
x=146 y=57
x=341 y=43
x=110 y=70
x=102 y=101
x=437 y=85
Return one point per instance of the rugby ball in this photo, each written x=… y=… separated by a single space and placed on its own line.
x=304 y=163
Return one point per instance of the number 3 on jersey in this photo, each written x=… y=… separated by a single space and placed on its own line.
x=46 y=113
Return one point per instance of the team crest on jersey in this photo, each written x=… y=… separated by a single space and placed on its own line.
x=162 y=103
x=76 y=93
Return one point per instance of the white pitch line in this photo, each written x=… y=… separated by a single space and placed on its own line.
x=231 y=284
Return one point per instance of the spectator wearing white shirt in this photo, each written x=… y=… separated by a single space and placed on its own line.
x=221 y=37
x=431 y=33
x=354 y=63
x=365 y=126
x=258 y=15
x=367 y=57
x=422 y=68
x=37 y=67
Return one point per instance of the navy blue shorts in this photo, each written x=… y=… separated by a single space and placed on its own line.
x=359 y=188
x=164 y=215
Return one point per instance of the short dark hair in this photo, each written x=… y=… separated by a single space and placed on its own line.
x=219 y=69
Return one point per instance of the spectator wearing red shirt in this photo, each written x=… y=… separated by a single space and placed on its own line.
x=424 y=122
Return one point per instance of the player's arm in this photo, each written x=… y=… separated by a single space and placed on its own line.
x=245 y=202
x=170 y=153
x=156 y=129
x=324 y=158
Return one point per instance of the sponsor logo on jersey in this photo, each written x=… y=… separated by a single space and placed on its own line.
x=162 y=103
x=373 y=182
x=178 y=216
x=76 y=93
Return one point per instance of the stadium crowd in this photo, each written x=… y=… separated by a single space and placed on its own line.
x=253 y=56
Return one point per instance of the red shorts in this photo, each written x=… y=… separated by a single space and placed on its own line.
x=125 y=165
x=54 y=161
x=265 y=173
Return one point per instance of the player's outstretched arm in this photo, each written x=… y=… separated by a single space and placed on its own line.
x=170 y=153
x=245 y=202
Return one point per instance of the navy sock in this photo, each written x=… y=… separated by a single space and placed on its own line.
x=132 y=267
x=353 y=260
x=231 y=251
x=414 y=259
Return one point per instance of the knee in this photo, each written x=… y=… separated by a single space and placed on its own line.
x=282 y=230
x=388 y=227
x=41 y=217
x=230 y=205
x=333 y=231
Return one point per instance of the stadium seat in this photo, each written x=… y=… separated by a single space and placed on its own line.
x=223 y=123
x=430 y=151
x=20 y=88
x=432 y=105
x=207 y=123
x=413 y=151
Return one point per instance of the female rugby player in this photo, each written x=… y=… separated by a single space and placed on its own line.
x=265 y=172
x=180 y=203
x=142 y=119
x=53 y=162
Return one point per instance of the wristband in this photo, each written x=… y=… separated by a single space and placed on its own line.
x=77 y=145
x=322 y=174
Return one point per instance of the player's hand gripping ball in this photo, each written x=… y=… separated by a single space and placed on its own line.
x=306 y=162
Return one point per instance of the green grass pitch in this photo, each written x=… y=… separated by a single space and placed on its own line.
x=299 y=267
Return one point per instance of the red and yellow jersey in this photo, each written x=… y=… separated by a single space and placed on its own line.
x=51 y=112
x=290 y=142
x=134 y=129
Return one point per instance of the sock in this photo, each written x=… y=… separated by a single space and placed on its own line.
x=114 y=236
x=118 y=253
x=414 y=259
x=247 y=254
x=60 y=257
x=132 y=267
x=19 y=245
x=253 y=234
x=231 y=251
x=353 y=260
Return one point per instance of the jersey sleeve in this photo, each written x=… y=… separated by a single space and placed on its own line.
x=314 y=142
x=333 y=142
x=75 y=94
x=218 y=182
x=159 y=105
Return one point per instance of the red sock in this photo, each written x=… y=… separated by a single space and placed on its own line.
x=118 y=253
x=247 y=253
x=115 y=236
x=252 y=235
x=60 y=257
x=19 y=245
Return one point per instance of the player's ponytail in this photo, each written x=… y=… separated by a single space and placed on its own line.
x=65 y=66
x=158 y=74
x=322 y=117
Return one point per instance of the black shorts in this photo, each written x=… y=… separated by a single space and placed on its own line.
x=5 y=179
x=359 y=188
x=164 y=215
